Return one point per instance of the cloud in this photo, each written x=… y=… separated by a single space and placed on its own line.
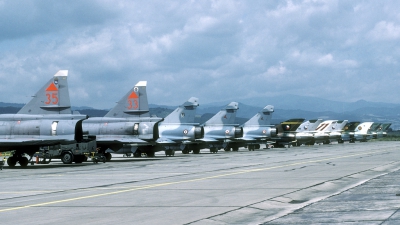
x=385 y=31
x=207 y=49
x=326 y=60
x=277 y=70
x=23 y=19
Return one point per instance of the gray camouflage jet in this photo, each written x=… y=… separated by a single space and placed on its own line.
x=45 y=121
x=256 y=131
x=128 y=127
x=220 y=130
x=178 y=130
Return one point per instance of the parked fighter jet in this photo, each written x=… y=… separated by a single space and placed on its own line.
x=45 y=121
x=287 y=132
x=348 y=131
x=382 y=132
x=128 y=127
x=331 y=128
x=178 y=129
x=305 y=132
x=362 y=133
x=256 y=131
x=220 y=130
x=374 y=130
x=336 y=131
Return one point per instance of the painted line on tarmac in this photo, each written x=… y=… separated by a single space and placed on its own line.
x=188 y=181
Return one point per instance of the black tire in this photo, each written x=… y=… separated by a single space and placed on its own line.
x=150 y=153
x=12 y=161
x=108 y=156
x=23 y=161
x=196 y=151
x=67 y=158
x=137 y=154
x=235 y=149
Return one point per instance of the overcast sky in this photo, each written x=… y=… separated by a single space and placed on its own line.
x=215 y=50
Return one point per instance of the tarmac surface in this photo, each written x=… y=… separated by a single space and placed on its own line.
x=326 y=184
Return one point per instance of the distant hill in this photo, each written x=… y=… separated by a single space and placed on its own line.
x=9 y=109
x=311 y=104
x=16 y=105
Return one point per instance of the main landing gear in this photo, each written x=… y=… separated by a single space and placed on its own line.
x=17 y=158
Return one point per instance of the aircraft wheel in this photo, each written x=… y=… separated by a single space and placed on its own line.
x=168 y=153
x=108 y=156
x=235 y=149
x=12 y=161
x=185 y=151
x=23 y=161
x=257 y=146
x=150 y=153
x=213 y=150
x=196 y=151
x=67 y=158
x=137 y=154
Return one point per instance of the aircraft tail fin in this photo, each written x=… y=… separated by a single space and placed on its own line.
x=52 y=98
x=326 y=125
x=375 y=126
x=314 y=124
x=185 y=113
x=351 y=126
x=289 y=125
x=363 y=128
x=226 y=115
x=133 y=104
x=309 y=125
x=386 y=126
x=341 y=124
x=262 y=118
